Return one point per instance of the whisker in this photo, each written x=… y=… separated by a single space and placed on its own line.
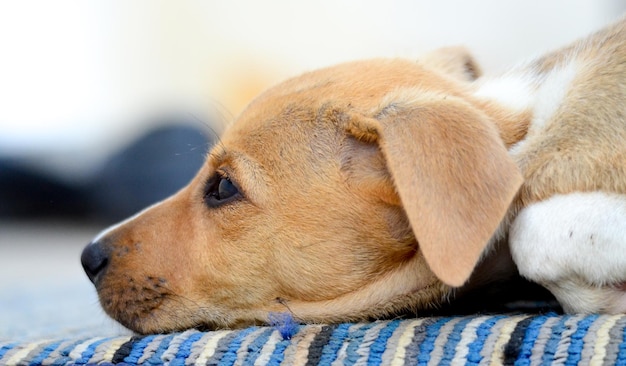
x=214 y=135
x=226 y=117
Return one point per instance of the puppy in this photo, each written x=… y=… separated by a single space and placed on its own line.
x=376 y=187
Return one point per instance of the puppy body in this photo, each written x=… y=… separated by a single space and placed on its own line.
x=570 y=233
x=575 y=131
x=374 y=187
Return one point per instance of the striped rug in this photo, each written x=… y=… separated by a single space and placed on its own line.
x=469 y=340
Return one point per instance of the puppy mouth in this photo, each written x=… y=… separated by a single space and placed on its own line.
x=132 y=302
x=148 y=305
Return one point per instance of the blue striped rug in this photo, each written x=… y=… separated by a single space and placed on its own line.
x=468 y=340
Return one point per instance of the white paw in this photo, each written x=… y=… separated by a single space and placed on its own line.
x=575 y=245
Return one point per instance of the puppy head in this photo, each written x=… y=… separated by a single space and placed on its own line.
x=347 y=193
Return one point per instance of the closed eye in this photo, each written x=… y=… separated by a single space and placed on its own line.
x=220 y=190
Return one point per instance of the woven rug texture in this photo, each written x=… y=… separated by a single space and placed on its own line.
x=469 y=340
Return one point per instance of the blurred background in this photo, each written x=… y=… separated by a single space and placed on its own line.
x=108 y=106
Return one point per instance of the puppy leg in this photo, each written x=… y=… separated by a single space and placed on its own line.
x=575 y=246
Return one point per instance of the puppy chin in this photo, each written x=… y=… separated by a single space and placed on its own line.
x=172 y=317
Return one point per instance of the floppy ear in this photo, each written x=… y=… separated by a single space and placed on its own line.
x=452 y=61
x=452 y=173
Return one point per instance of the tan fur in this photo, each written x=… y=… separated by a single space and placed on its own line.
x=367 y=188
x=572 y=154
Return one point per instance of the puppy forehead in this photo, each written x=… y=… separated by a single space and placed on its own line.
x=301 y=103
x=359 y=85
x=304 y=117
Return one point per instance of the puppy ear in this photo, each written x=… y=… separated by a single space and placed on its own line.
x=452 y=173
x=452 y=61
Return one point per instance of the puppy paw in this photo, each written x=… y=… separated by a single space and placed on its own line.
x=574 y=245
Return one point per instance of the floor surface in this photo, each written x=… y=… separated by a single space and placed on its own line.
x=44 y=292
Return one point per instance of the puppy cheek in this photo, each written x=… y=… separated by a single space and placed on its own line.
x=227 y=278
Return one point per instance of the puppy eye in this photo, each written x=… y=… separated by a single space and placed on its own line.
x=220 y=190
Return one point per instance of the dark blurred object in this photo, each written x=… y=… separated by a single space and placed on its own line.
x=154 y=167
x=150 y=169
x=28 y=193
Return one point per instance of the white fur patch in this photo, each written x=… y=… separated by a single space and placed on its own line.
x=575 y=245
x=547 y=99
x=551 y=93
x=514 y=90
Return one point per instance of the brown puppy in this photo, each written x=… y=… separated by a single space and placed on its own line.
x=362 y=190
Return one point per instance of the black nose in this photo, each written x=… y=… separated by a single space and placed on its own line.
x=94 y=259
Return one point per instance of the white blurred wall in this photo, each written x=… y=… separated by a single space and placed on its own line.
x=80 y=78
